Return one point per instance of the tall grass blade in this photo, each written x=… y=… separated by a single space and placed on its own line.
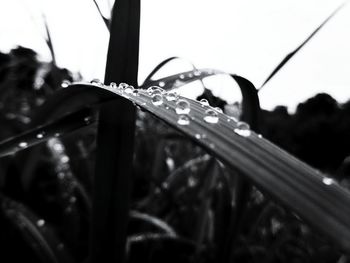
x=115 y=140
x=294 y=52
x=49 y=41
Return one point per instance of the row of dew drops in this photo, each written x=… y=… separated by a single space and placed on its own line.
x=211 y=116
x=182 y=108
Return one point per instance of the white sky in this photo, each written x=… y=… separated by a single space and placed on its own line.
x=247 y=37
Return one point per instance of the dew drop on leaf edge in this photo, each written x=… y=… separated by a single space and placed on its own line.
x=171 y=96
x=113 y=85
x=204 y=102
x=182 y=107
x=129 y=89
x=23 y=145
x=157 y=99
x=183 y=120
x=243 y=129
x=211 y=116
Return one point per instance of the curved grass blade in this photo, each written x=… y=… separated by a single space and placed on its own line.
x=39 y=236
x=294 y=52
x=158 y=67
x=64 y=125
x=180 y=79
x=251 y=105
x=152 y=220
x=288 y=180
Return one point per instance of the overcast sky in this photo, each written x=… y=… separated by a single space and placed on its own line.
x=247 y=37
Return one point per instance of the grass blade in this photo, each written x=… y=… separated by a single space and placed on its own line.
x=49 y=41
x=115 y=140
x=285 y=178
x=105 y=20
x=64 y=125
x=288 y=180
x=294 y=52
x=180 y=79
x=158 y=67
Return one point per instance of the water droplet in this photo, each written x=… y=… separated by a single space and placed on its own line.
x=23 y=145
x=87 y=120
x=182 y=76
x=327 y=181
x=40 y=135
x=113 y=85
x=197 y=73
x=135 y=92
x=122 y=86
x=260 y=136
x=65 y=83
x=171 y=165
x=157 y=99
x=96 y=82
x=155 y=90
x=58 y=147
x=191 y=182
x=61 y=176
x=72 y=199
x=198 y=136
x=60 y=246
x=40 y=223
x=161 y=84
x=171 y=96
x=204 y=102
x=230 y=118
x=64 y=159
x=182 y=107
x=183 y=120
x=211 y=116
x=212 y=145
x=190 y=75
x=218 y=109
x=129 y=89
x=243 y=129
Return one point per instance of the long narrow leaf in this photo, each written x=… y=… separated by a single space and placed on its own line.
x=295 y=51
x=49 y=41
x=115 y=140
x=288 y=180
x=59 y=127
x=180 y=79
x=158 y=67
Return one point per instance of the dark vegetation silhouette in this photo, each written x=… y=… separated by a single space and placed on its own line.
x=317 y=133
x=25 y=83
